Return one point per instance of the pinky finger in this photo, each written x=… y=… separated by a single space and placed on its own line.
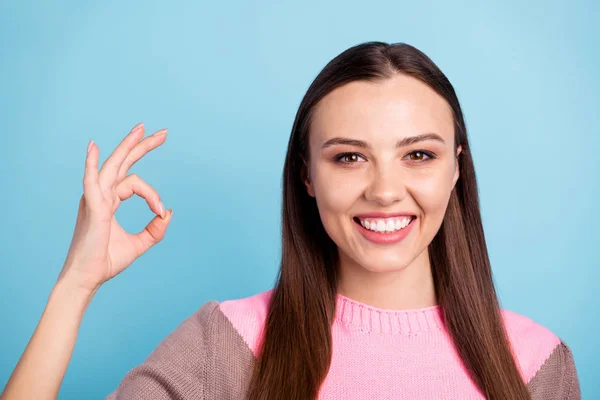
x=91 y=188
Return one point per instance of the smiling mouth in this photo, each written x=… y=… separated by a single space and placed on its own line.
x=385 y=225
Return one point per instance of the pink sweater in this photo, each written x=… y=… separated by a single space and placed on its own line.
x=377 y=354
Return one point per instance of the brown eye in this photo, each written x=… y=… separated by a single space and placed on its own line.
x=352 y=157
x=421 y=156
x=348 y=158
x=416 y=156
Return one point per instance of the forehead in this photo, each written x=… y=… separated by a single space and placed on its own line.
x=383 y=110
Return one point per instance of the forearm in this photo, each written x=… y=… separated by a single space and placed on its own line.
x=40 y=371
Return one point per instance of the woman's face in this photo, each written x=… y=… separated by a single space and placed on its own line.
x=382 y=149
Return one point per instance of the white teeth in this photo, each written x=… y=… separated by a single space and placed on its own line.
x=385 y=225
x=390 y=226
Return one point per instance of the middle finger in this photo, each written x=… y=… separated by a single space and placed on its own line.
x=141 y=149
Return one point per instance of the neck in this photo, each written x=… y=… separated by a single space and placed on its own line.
x=407 y=288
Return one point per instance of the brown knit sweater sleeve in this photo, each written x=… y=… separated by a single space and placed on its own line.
x=203 y=358
x=557 y=377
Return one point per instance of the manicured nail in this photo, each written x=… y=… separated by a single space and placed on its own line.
x=90 y=145
x=138 y=126
x=161 y=209
x=160 y=133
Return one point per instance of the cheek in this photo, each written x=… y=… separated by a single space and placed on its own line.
x=432 y=191
x=336 y=194
x=335 y=191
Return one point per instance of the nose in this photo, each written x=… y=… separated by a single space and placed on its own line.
x=386 y=187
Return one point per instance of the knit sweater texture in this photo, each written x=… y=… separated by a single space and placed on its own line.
x=377 y=354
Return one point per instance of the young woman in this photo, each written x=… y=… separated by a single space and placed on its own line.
x=385 y=289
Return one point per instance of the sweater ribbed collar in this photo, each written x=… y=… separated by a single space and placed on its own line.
x=362 y=317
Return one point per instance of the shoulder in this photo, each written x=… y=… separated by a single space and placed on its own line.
x=206 y=356
x=222 y=326
x=177 y=366
x=532 y=342
x=248 y=315
x=245 y=316
x=545 y=360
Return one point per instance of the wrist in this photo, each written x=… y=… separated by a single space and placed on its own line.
x=76 y=288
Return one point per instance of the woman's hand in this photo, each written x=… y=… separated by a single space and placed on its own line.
x=100 y=248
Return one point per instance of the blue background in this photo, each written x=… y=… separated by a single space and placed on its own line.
x=226 y=78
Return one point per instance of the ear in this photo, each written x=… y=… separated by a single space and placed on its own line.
x=457 y=166
x=306 y=178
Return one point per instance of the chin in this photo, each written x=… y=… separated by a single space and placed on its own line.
x=384 y=264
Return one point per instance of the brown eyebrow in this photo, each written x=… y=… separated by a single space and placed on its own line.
x=407 y=141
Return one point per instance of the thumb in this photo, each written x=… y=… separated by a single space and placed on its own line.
x=154 y=232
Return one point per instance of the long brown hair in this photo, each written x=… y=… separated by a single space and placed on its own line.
x=295 y=354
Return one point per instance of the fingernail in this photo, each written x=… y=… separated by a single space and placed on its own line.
x=90 y=145
x=160 y=133
x=161 y=208
x=138 y=126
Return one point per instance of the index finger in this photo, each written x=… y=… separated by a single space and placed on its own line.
x=110 y=168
